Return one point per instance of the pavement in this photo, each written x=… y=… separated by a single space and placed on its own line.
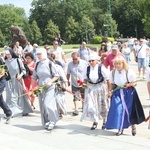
x=69 y=133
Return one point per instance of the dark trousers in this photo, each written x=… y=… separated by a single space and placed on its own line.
x=3 y=104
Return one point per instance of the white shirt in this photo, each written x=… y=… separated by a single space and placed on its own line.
x=94 y=73
x=121 y=79
x=143 y=51
x=28 y=48
x=58 y=53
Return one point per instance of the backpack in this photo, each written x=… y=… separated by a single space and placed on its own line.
x=26 y=68
x=50 y=67
x=100 y=76
x=87 y=50
x=113 y=75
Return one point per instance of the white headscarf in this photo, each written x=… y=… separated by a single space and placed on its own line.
x=43 y=52
x=93 y=56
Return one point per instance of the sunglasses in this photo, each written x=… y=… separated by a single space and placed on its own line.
x=75 y=59
x=91 y=60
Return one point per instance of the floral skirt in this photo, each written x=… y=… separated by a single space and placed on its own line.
x=96 y=104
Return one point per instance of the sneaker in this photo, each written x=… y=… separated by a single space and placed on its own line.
x=46 y=125
x=8 y=119
x=33 y=108
x=75 y=113
x=51 y=126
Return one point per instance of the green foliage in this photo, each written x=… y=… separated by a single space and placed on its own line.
x=50 y=32
x=97 y=39
x=35 y=34
x=144 y=7
x=2 y=39
x=128 y=16
x=111 y=39
x=10 y=15
x=71 y=29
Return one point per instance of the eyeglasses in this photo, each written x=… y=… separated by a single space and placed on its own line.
x=75 y=59
x=39 y=54
x=91 y=60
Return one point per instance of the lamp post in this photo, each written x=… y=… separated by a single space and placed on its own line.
x=110 y=17
x=86 y=31
x=136 y=31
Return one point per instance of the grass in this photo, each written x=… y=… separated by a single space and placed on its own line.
x=70 y=46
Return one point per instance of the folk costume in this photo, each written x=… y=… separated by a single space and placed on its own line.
x=125 y=108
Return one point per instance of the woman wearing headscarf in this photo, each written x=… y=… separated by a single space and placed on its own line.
x=95 y=103
x=15 y=86
x=46 y=74
x=61 y=86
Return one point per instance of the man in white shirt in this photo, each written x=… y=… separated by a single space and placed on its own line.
x=59 y=53
x=28 y=48
x=142 y=54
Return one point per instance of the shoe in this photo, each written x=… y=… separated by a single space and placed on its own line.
x=26 y=114
x=8 y=119
x=103 y=126
x=46 y=125
x=33 y=108
x=120 y=132
x=133 y=131
x=75 y=113
x=60 y=116
x=94 y=126
x=51 y=126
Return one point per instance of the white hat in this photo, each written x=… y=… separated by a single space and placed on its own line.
x=35 y=45
x=93 y=56
x=114 y=47
x=5 y=47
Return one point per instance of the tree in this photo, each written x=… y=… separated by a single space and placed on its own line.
x=144 y=7
x=35 y=36
x=50 y=32
x=10 y=15
x=128 y=17
x=2 y=39
x=71 y=30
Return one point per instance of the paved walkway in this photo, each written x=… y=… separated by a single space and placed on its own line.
x=26 y=133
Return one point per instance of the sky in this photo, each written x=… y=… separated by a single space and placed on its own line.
x=19 y=3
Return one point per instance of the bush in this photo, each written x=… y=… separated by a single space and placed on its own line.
x=97 y=39
x=111 y=39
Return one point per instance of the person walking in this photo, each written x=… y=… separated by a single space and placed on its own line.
x=96 y=103
x=46 y=74
x=125 y=107
x=15 y=87
x=3 y=104
x=29 y=61
x=75 y=70
x=84 y=52
x=110 y=57
x=141 y=54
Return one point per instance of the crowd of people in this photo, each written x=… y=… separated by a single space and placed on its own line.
x=103 y=81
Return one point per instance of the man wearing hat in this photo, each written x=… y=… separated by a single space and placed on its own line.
x=109 y=59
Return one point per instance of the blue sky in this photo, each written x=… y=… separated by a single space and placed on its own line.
x=19 y=3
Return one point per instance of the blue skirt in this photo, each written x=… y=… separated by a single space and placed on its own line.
x=125 y=109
